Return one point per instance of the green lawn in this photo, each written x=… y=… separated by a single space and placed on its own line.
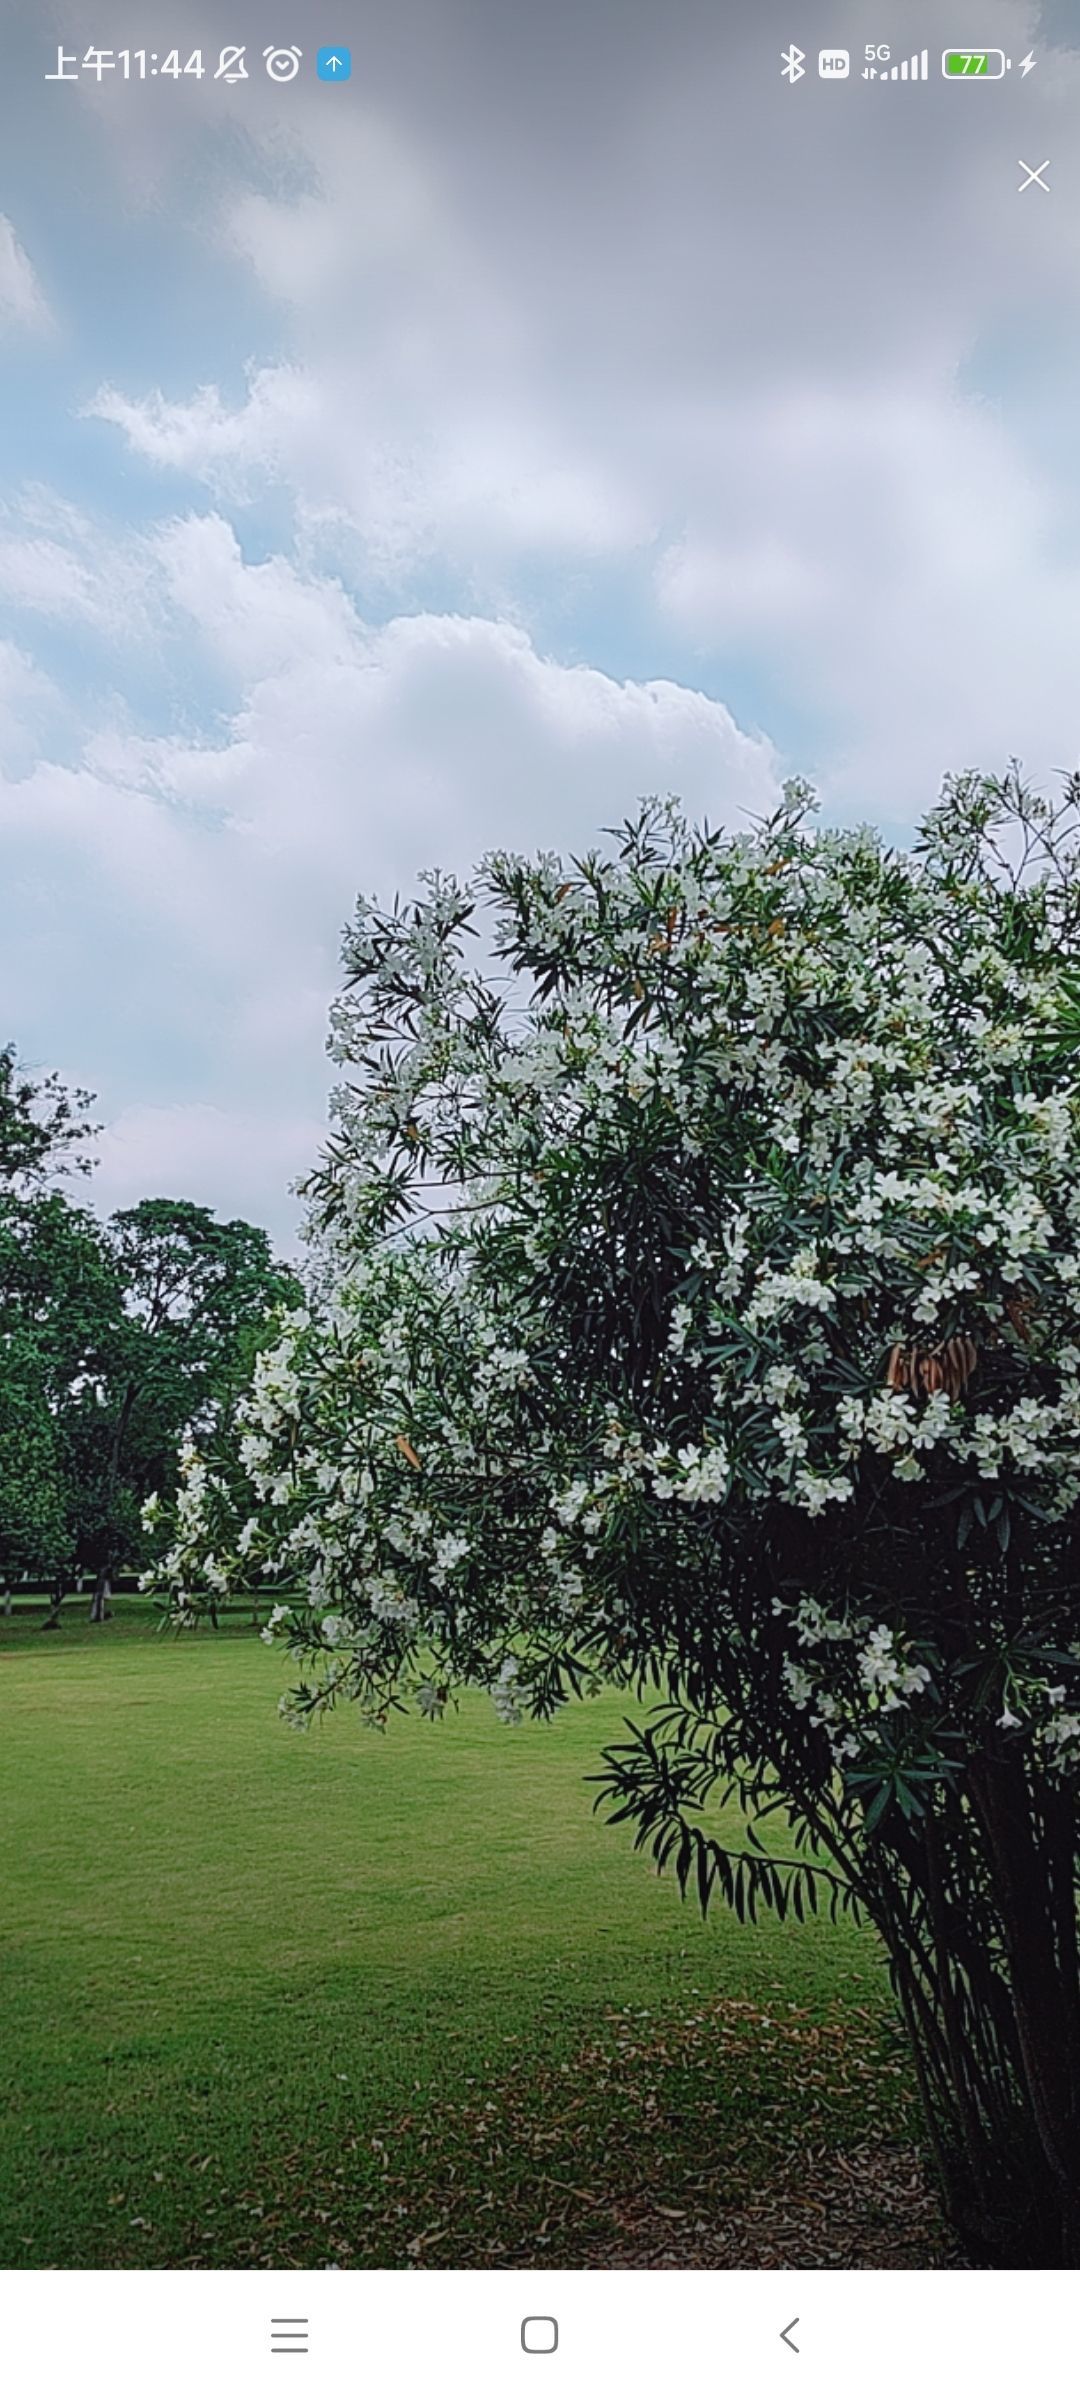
x=342 y=1999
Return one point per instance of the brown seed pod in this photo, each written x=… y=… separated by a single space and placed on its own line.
x=1019 y=1312
x=959 y=1358
x=948 y=1368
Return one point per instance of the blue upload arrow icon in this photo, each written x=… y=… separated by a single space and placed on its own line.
x=334 y=65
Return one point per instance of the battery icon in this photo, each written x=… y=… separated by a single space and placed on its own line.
x=967 y=64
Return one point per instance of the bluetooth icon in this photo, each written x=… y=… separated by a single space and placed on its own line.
x=792 y=63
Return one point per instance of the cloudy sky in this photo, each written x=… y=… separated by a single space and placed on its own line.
x=567 y=408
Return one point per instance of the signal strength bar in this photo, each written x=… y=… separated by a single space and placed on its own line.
x=915 y=69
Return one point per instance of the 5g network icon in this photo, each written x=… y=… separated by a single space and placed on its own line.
x=282 y=64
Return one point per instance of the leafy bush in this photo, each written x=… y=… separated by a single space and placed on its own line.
x=696 y=1302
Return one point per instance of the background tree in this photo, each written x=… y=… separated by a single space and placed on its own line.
x=200 y=1297
x=55 y=1293
x=702 y=1309
x=44 y=1128
x=34 y=1534
x=115 y=1340
x=62 y=1328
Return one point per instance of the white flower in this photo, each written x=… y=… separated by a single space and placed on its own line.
x=799 y=1684
x=816 y=1493
x=885 y=1672
x=449 y=1552
x=506 y=1693
x=681 y=1321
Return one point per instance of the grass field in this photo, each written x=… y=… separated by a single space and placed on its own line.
x=341 y=1999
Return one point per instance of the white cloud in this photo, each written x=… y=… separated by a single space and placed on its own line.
x=238 y=1162
x=917 y=575
x=50 y=579
x=23 y=307
x=472 y=483
x=58 y=563
x=181 y=903
x=27 y=701
x=201 y=437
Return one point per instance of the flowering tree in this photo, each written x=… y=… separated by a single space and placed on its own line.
x=696 y=1303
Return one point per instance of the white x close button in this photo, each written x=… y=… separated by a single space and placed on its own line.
x=1033 y=175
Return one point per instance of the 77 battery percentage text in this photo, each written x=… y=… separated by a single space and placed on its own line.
x=984 y=66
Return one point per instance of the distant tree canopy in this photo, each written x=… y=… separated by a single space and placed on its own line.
x=116 y=1340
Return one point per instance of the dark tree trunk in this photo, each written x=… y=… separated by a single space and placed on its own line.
x=50 y=1622
x=977 y=1907
x=99 y=1605
x=100 y=1611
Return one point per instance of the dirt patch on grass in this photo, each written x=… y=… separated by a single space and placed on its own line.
x=870 y=2207
x=733 y=2137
